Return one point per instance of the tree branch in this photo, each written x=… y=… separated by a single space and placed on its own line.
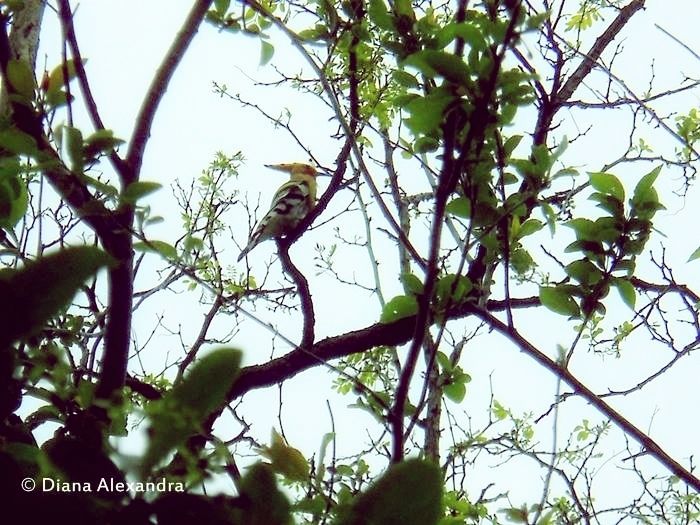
x=400 y=332
x=307 y=304
x=121 y=277
x=66 y=15
x=650 y=446
x=601 y=43
x=563 y=94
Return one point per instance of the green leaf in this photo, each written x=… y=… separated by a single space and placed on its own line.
x=584 y=271
x=499 y=411
x=626 y=265
x=439 y=63
x=409 y=493
x=102 y=141
x=403 y=7
x=585 y=228
x=61 y=75
x=452 y=289
x=607 y=184
x=551 y=216
x=266 y=52
x=425 y=144
x=517 y=515
x=399 y=307
x=626 y=290
x=14 y=200
x=379 y=14
x=510 y=144
x=543 y=159
x=265 y=503
x=559 y=301
x=645 y=184
x=205 y=387
x=547 y=518
x=57 y=98
x=411 y=284
x=461 y=207
x=694 y=255
x=645 y=200
x=326 y=440
x=73 y=139
x=455 y=392
x=286 y=460
x=444 y=362
x=160 y=247
x=403 y=78
x=607 y=229
x=222 y=6
x=467 y=31
x=614 y=206
x=529 y=227
x=32 y=295
x=138 y=190
x=18 y=142
x=21 y=77
x=252 y=29
x=402 y=101
x=521 y=261
x=182 y=410
x=104 y=188
x=426 y=113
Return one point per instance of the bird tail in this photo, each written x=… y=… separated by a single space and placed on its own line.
x=252 y=244
x=254 y=240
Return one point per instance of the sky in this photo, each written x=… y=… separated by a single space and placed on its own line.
x=124 y=41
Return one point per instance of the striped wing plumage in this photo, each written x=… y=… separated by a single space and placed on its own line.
x=290 y=204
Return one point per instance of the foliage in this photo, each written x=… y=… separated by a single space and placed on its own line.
x=455 y=200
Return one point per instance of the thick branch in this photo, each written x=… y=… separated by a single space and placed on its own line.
x=298 y=360
x=307 y=304
x=109 y=226
x=400 y=332
x=601 y=43
x=562 y=95
x=650 y=446
x=118 y=329
x=121 y=278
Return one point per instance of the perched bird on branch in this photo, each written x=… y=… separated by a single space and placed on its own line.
x=291 y=203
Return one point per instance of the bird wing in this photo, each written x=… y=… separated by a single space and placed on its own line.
x=290 y=204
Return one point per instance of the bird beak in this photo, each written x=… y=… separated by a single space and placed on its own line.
x=293 y=168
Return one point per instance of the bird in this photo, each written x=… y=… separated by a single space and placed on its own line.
x=290 y=204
